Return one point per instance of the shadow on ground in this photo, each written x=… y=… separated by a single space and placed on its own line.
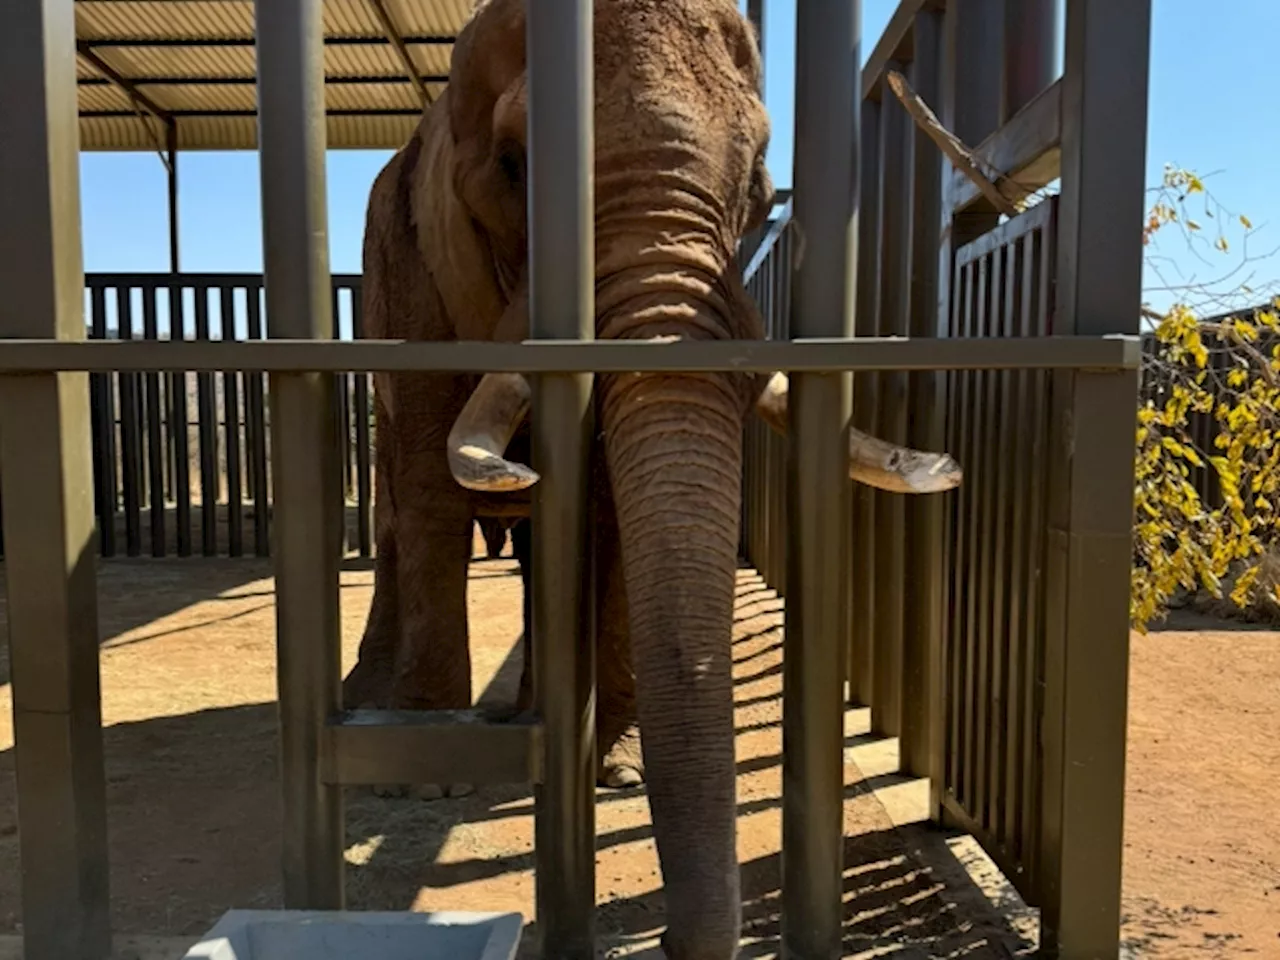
x=194 y=811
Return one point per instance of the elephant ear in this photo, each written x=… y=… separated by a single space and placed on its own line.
x=486 y=119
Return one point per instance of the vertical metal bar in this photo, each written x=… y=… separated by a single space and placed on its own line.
x=973 y=536
x=957 y=639
x=179 y=428
x=45 y=459
x=207 y=422
x=291 y=132
x=171 y=148
x=988 y=420
x=1023 y=630
x=1031 y=49
x=342 y=407
x=364 y=469
x=155 y=430
x=1097 y=291
x=922 y=706
x=231 y=416
x=562 y=305
x=819 y=502
x=1034 y=757
x=1003 y=593
x=755 y=13
x=257 y=416
x=897 y=149
x=130 y=442
x=104 y=433
x=865 y=412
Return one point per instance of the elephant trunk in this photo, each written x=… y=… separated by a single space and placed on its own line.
x=673 y=450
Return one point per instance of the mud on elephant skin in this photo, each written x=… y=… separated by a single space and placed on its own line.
x=680 y=139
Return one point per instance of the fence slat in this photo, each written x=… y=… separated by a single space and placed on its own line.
x=207 y=425
x=866 y=414
x=257 y=440
x=130 y=441
x=157 y=455
x=104 y=432
x=180 y=427
x=231 y=407
x=897 y=147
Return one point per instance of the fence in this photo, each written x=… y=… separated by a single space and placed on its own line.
x=161 y=441
x=1094 y=119
x=989 y=627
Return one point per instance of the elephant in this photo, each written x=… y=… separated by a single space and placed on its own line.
x=495 y=530
x=680 y=138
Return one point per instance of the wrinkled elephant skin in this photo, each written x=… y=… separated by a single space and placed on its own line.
x=680 y=141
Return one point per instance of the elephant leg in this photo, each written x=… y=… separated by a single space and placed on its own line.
x=433 y=664
x=621 y=763
x=368 y=685
x=522 y=548
x=494 y=531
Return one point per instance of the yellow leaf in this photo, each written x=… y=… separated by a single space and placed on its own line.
x=1245 y=222
x=1192 y=225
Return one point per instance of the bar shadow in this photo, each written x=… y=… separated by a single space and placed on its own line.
x=145 y=590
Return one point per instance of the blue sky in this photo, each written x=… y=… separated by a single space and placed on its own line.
x=1211 y=88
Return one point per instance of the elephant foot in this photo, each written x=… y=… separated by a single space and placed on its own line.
x=366 y=687
x=622 y=765
x=423 y=791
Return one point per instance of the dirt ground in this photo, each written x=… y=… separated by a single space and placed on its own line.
x=1202 y=848
x=188 y=689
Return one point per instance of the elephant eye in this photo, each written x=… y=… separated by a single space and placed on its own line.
x=511 y=161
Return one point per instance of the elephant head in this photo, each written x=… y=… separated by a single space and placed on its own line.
x=680 y=139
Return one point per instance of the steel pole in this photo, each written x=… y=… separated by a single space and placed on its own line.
x=828 y=105
x=562 y=306
x=291 y=136
x=46 y=460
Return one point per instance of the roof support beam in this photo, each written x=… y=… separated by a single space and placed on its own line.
x=243 y=81
x=340 y=41
x=124 y=83
x=393 y=38
x=233 y=114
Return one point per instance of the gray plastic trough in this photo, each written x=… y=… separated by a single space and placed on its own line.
x=344 y=935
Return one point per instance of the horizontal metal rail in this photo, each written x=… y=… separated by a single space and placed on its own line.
x=434 y=746
x=1118 y=352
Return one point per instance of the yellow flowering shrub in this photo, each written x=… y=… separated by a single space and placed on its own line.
x=1228 y=371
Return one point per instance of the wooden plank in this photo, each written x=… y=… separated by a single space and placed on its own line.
x=1025 y=152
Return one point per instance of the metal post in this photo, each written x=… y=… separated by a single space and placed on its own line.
x=1098 y=291
x=866 y=414
x=897 y=148
x=922 y=732
x=819 y=506
x=171 y=145
x=1031 y=47
x=45 y=453
x=755 y=13
x=970 y=98
x=562 y=306
x=291 y=136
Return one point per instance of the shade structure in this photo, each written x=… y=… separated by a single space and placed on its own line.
x=156 y=74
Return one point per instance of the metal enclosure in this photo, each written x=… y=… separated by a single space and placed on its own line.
x=960 y=618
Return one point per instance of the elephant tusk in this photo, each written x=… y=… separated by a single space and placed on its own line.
x=875 y=462
x=482 y=431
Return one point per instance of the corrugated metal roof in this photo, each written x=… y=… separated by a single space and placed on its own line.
x=192 y=63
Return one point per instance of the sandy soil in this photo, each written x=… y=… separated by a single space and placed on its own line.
x=1202 y=849
x=188 y=690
